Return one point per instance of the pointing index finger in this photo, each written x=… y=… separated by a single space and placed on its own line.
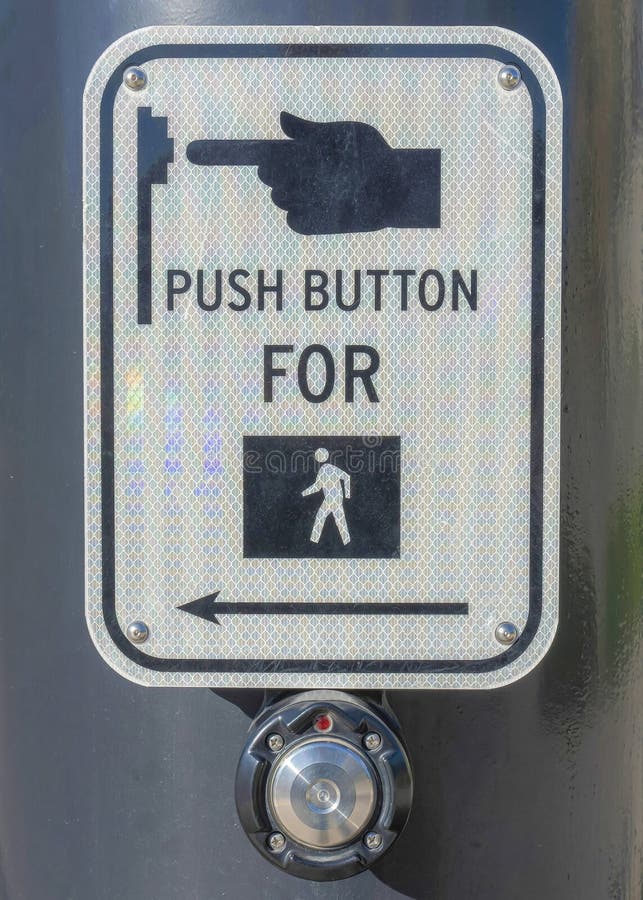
x=233 y=153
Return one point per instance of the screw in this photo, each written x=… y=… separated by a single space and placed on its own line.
x=138 y=632
x=274 y=742
x=276 y=841
x=135 y=79
x=509 y=77
x=506 y=633
x=373 y=840
x=372 y=741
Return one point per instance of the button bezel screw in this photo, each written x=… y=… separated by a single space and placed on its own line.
x=373 y=841
x=372 y=741
x=275 y=742
x=276 y=842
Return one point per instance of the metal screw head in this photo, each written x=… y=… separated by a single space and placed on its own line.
x=506 y=633
x=509 y=77
x=373 y=840
x=275 y=742
x=276 y=841
x=134 y=78
x=372 y=741
x=138 y=632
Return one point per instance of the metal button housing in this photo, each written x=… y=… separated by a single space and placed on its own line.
x=336 y=798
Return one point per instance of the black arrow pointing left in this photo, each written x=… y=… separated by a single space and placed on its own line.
x=208 y=608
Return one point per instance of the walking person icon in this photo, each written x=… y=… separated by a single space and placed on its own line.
x=335 y=486
x=321 y=496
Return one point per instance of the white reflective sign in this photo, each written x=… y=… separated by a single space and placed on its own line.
x=322 y=356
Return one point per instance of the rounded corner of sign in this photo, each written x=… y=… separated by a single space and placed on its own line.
x=113 y=56
x=519 y=46
x=114 y=657
x=527 y=661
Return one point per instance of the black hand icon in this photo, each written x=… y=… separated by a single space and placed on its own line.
x=337 y=177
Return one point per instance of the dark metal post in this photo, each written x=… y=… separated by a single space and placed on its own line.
x=108 y=790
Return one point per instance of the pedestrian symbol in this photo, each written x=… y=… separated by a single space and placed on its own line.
x=335 y=486
x=321 y=497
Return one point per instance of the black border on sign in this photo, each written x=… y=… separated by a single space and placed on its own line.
x=248 y=51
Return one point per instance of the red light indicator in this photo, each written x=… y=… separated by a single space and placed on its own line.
x=323 y=723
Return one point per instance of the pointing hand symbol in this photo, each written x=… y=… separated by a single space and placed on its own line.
x=337 y=177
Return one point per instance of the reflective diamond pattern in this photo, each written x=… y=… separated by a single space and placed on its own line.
x=455 y=385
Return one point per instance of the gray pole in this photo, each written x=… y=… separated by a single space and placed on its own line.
x=109 y=790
